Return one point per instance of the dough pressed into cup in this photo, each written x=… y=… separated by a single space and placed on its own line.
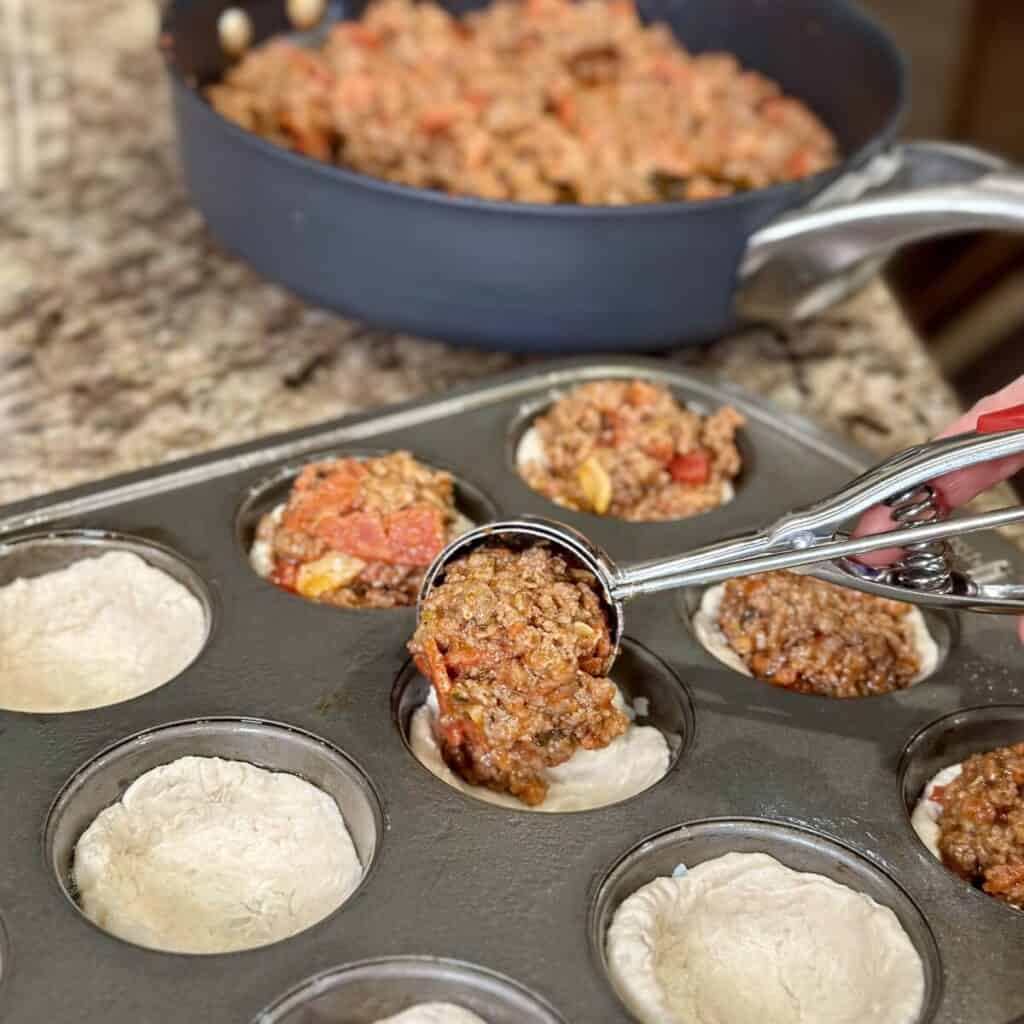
x=100 y=631
x=433 y=1013
x=205 y=855
x=743 y=939
x=629 y=764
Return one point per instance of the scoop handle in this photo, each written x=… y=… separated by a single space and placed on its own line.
x=704 y=567
x=806 y=536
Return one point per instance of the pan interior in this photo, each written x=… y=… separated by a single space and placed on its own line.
x=803 y=45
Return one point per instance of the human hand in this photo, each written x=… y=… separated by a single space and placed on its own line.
x=958 y=488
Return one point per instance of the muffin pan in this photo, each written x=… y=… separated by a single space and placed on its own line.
x=461 y=900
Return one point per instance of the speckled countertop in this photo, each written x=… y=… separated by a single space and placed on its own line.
x=127 y=338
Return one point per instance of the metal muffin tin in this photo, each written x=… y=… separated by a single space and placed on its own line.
x=504 y=907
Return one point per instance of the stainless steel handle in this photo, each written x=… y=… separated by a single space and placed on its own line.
x=811 y=258
x=969 y=594
x=806 y=536
x=897 y=475
x=693 y=569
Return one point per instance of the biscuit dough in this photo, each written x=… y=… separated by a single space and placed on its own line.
x=433 y=1013
x=101 y=631
x=205 y=855
x=742 y=939
x=590 y=778
x=927 y=812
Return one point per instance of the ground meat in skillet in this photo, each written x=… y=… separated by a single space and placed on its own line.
x=359 y=533
x=516 y=645
x=981 y=827
x=807 y=635
x=628 y=449
x=543 y=101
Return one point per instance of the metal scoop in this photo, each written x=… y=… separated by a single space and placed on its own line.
x=806 y=537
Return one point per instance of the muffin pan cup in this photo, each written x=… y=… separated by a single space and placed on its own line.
x=365 y=992
x=454 y=878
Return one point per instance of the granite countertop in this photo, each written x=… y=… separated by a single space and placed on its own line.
x=127 y=338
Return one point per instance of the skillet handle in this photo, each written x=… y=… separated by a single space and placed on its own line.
x=807 y=260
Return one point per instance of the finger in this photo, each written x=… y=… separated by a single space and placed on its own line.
x=1012 y=394
x=877 y=520
x=960 y=487
x=957 y=488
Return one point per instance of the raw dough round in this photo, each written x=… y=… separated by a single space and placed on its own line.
x=742 y=939
x=705 y=625
x=433 y=1013
x=204 y=855
x=927 y=812
x=531 y=449
x=590 y=778
x=101 y=631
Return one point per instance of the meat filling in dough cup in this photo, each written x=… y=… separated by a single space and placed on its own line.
x=333 y=571
x=934 y=758
x=89 y=619
x=214 y=836
x=931 y=634
x=660 y=729
x=410 y=990
x=684 y=462
x=701 y=912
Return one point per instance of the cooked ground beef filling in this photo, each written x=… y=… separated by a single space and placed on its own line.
x=628 y=449
x=359 y=533
x=811 y=636
x=542 y=101
x=516 y=645
x=981 y=828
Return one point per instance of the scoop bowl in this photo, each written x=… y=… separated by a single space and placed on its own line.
x=524 y=532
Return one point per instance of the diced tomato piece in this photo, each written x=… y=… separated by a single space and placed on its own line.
x=431 y=664
x=565 y=110
x=355 y=92
x=938 y=794
x=284 y=574
x=316 y=497
x=360 y=534
x=1001 y=419
x=622 y=430
x=641 y=393
x=437 y=122
x=800 y=164
x=661 y=450
x=691 y=468
x=415 y=535
x=671 y=69
x=307 y=140
x=340 y=490
x=478 y=101
x=460 y=657
x=359 y=34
